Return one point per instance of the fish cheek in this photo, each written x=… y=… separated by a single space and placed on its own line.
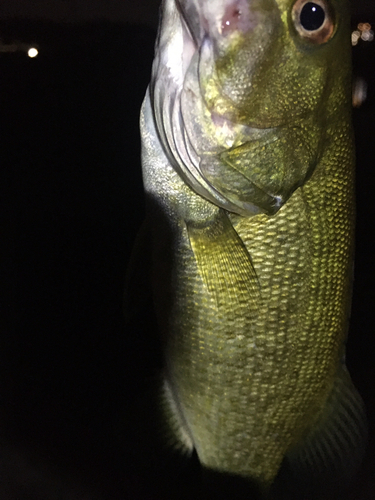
x=285 y=89
x=275 y=78
x=235 y=58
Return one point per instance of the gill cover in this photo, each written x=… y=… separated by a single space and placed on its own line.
x=238 y=89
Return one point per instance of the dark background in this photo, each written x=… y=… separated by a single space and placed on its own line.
x=71 y=202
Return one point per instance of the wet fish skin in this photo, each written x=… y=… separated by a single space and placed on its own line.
x=248 y=166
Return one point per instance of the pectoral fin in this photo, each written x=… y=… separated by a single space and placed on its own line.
x=224 y=264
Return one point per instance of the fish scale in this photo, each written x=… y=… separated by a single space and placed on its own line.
x=264 y=342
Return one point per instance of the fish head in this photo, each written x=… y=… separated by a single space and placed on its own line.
x=243 y=92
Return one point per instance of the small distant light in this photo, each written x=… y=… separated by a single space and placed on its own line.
x=33 y=52
x=356 y=35
x=363 y=32
x=359 y=91
x=364 y=26
x=367 y=35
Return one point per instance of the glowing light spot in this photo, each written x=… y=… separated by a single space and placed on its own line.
x=359 y=92
x=364 y=26
x=356 y=35
x=32 y=52
x=367 y=36
x=363 y=32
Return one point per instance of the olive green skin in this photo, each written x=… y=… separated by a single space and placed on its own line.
x=250 y=366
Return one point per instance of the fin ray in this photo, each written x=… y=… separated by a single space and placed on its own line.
x=224 y=263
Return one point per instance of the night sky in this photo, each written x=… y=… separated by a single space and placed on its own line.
x=145 y=11
x=71 y=203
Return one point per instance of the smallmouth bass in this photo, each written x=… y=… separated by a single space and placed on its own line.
x=248 y=167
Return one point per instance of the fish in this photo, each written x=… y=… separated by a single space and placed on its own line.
x=248 y=170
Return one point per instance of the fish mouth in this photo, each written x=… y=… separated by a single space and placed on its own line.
x=196 y=119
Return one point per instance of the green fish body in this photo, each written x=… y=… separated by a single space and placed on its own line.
x=248 y=167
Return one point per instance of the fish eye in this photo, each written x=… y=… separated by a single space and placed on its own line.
x=312 y=16
x=313 y=20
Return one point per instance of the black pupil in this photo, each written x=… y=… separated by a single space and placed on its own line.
x=312 y=16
